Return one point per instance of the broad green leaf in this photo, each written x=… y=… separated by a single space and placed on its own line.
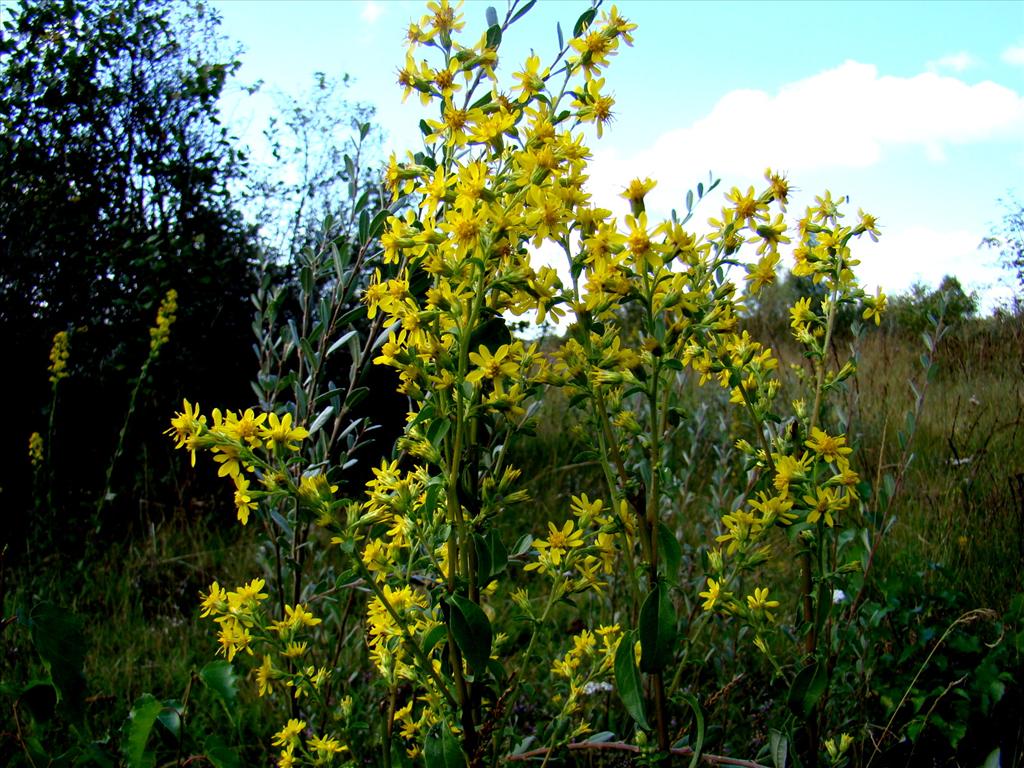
x=627 y=680
x=170 y=717
x=808 y=687
x=472 y=631
x=657 y=629
x=136 y=732
x=219 y=676
x=443 y=752
x=57 y=636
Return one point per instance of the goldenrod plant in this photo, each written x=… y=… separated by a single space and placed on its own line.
x=459 y=600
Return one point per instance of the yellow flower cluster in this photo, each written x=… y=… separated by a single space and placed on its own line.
x=59 y=352
x=35 y=449
x=242 y=443
x=165 y=317
x=316 y=750
x=236 y=613
x=586 y=668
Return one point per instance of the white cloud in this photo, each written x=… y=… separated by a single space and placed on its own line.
x=957 y=62
x=1013 y=55
x=902 y=257
x=847 y=117
x=371 y=12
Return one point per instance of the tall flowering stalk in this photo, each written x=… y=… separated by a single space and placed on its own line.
x=502 y=174
x=159 y=334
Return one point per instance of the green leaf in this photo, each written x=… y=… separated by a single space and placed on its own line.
x=657 y=630
x=472 y=631
x=584 y=21
x=778 y=748
x=342 y=340
x=493 y=36
x=170 y=717
x=320 y=420
x=219 y=753
x=627 y=680
x=698 y=717
x=994 y=759
x=522 y=545
x=57 y=636
x=443 y=752
x=377 y=223
x=433 y=637
x=519 y=14
x=219 y=676
x=498 y=552
x=669 y=553
x=136 y=732
x=808 y=687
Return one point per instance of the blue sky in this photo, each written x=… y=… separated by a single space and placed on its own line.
x=914 y=109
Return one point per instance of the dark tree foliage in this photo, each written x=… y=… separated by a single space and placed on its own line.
x=114 y=187
x=911 y=312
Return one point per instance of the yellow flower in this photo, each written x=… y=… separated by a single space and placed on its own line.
x=759 y=602
x=233 y=637
x=875 y=306
x=712 y=594
x=326 y=746
x=594 y=107
x=287 y=758
x=823 y=504
x=788 y=469
x=281 y=433
x=59 y=356
x=264 y=676
x=289 y=734
x=762 y=273
x=869 y=224
x=35 y=449
x=829 y=448
x=531 y=79
x=636 y=192
x=490 y=366
x=559 y=541
x=246 y=597
x=214 y=602
x=186 y=427
x=244 y=502
x=295 y=618
x=747 y=207
x=165 y=317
